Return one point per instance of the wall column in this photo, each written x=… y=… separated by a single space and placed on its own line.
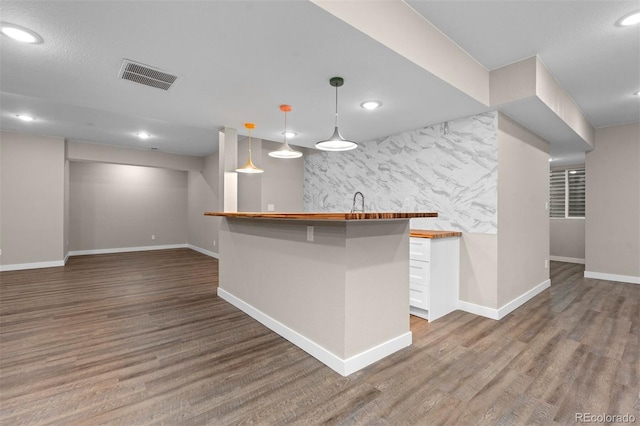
x=228 y=178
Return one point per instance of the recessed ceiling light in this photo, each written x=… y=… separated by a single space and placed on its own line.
x=573 y=172
x=143 y=135
x=637 y=93
x=19 y=33
x=290 y=134
x=25 y=117
x=550 y=159
x=630 y=19
x=371 y=104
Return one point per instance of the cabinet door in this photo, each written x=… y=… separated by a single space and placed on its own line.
x=419 y=284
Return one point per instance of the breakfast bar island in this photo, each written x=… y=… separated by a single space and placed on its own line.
x=334 y=284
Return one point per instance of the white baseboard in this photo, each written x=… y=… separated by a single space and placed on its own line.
x=567 y=259
x=126 y=249
x=339 y=365
x=56 y=263
x=368 y=357
x=481 y=310
x=612 y=277
x=522 y=299
x=33 y=265
x=203 y=251
x=506 y=309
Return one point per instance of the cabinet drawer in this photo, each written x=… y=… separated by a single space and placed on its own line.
x=419 y=272
x=420 y=249
x=419 y=296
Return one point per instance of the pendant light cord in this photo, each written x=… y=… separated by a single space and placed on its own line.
x=336 y=106
x=285 y=126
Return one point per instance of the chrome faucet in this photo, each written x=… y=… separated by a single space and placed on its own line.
x=353 y=206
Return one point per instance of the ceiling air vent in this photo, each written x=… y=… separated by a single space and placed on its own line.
x=144 y=74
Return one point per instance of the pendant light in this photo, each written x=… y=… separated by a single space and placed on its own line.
x=249 y=167
x=336 y=142
x=285 y=151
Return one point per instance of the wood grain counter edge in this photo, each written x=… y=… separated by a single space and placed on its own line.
x=420 y=233
x=324 y=216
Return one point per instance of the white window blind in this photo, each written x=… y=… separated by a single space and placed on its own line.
x=576 y=185
x=557 y=193
x=567 y=193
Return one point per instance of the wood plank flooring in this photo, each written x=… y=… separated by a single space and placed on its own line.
x=141 y=338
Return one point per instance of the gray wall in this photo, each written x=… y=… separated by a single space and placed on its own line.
x=166 y=199
x=613 y=202
x=281 y=184
x=340 y=309
x=31 y=198
x=567 y=240
x=283 y=180
x=203 y=197
x=121 y=206
x=523 y=220
x=250 y=184
x=65 y=233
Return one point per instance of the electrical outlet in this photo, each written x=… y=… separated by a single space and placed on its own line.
x=153 y=237
x=310 y=233
x=214 y=243
x=546 y=264
x=546 y=205
x=271 y=208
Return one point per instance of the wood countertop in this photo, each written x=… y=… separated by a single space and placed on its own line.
x=420 y=233
x=323 y=216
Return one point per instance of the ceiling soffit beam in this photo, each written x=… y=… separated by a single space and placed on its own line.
x=530 y=79
x=524 y=90
x=95 y=152
x=397 y=26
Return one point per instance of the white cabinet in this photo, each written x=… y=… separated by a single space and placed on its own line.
x=433 y=276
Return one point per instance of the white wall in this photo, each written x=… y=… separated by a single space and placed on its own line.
x=121 y=206
x=32 y=200
x=613 y=204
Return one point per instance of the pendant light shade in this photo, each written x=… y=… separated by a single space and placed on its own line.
x=336 y=142
x=249 y=167
x=285 y=151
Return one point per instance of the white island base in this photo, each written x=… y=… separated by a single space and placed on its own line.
x=342 y=297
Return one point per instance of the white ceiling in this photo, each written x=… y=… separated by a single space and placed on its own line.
x=237 y=61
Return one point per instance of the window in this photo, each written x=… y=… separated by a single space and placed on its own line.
x=567 y=193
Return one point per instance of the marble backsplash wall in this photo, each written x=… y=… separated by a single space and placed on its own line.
x=450 y=168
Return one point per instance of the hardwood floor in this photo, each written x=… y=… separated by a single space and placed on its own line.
x=141 y=338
